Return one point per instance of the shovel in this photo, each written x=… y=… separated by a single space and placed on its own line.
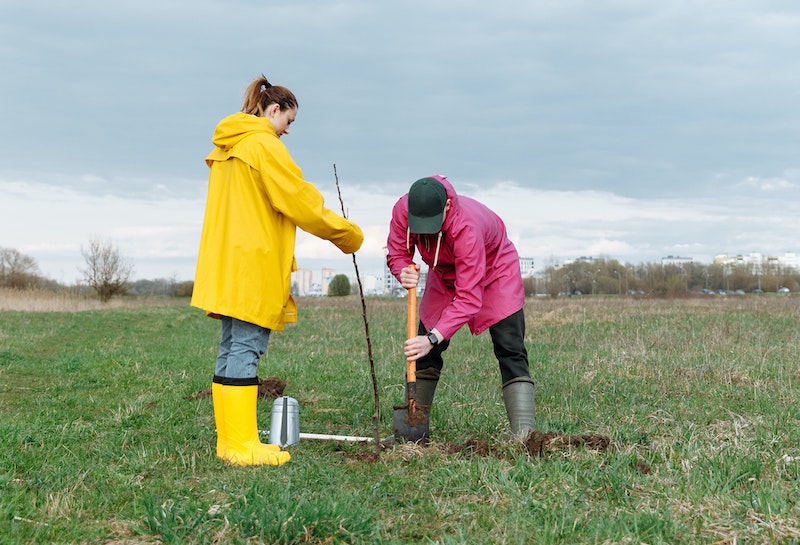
x=411 y=420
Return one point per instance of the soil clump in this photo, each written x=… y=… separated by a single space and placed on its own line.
x=540 y=444
x=270 y=388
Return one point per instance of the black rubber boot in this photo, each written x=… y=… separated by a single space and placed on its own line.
x=518 y=397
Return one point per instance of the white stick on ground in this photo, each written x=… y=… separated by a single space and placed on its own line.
x=327 y=437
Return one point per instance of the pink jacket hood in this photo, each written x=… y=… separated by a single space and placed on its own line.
x=476 y=280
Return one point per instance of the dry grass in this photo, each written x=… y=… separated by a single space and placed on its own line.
x=37 y=300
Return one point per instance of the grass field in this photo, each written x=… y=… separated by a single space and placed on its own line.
x=104 y=440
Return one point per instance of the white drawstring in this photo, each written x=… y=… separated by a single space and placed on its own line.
x=438 y=245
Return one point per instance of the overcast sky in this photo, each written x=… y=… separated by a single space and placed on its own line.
x=620 y=129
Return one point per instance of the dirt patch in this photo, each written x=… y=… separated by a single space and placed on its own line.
x=541 y=444
x=202 y=394
x=268 y=388
x=537 y=444
x=363 y=457
x=473 y=447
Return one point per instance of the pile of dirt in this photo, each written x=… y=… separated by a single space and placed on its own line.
x=540 y=444
x=270 y=388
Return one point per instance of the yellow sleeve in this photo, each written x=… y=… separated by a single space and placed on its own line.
x=303 y=204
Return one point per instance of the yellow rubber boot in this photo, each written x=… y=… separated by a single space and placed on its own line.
x=241 y=430
x=219 y=419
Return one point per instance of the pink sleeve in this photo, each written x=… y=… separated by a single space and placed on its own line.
x=398 y=255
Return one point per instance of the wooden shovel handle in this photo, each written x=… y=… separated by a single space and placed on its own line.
x=412 y=313
x=411 y=330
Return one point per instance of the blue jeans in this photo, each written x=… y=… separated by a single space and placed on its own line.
x=241 y=346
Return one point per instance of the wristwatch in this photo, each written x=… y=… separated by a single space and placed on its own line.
x=433 y=338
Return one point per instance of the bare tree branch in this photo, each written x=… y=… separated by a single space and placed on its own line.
x=106 y=271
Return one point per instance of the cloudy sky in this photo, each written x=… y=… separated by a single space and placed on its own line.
x=621 y=129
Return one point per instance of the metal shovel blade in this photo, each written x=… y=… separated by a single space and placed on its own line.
x=412 y=423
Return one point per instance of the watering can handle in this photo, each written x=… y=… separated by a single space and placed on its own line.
x=285 y=422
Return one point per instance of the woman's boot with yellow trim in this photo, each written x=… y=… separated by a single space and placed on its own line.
x=238 y=427
x=219 y=419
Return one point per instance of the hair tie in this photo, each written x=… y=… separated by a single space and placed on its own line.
x=265 y=86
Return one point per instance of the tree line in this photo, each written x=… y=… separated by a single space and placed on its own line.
x=610 y=277
x=108 y=274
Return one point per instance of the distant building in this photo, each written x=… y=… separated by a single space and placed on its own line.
x=371 y=284
x=303 y=278
x=327 y=276
x=390 y=283
x=676 y=260
x=391 y=286
x=526 y=266
x=789 y=260
x=786 y=260
x=581 y=259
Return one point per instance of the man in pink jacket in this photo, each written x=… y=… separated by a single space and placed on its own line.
x=473 y=278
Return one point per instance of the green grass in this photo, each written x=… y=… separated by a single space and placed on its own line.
x=101 y=441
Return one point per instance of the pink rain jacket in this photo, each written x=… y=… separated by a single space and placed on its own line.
x=476 y=280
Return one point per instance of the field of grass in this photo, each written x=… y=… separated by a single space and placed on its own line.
x=104 y=440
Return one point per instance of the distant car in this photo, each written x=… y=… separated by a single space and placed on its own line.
x=739 y=292
x=784 y=290
x=757 y=291
x=706 y=291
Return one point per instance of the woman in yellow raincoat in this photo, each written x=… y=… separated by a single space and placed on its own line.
x=257 y=198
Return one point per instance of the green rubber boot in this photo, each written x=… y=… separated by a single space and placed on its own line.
x=518 y=397
x=425 y=391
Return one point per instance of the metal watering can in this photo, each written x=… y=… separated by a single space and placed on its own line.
x=284 y=429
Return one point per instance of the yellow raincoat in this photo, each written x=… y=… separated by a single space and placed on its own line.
x=257 y=197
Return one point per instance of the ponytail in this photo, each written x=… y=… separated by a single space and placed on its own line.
x=260 y=94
